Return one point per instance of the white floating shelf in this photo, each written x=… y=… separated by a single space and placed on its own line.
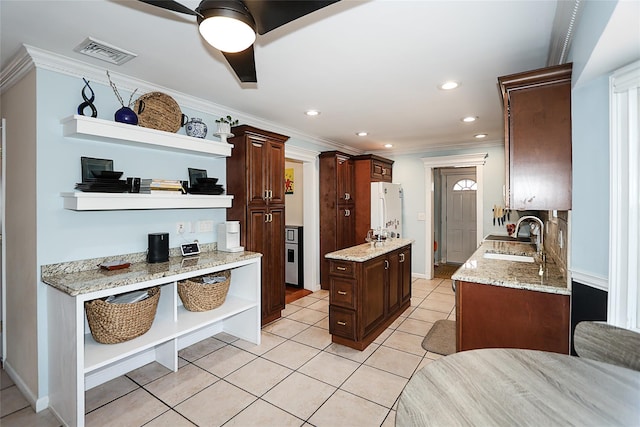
x=79 y=201
x=78 y=126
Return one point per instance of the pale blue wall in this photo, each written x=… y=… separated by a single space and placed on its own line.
x=590 y=142
x=65 y=235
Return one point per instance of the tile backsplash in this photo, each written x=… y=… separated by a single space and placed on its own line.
x=555 y=235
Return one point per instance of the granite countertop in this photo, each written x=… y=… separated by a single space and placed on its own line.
x=512 y=274
x=366 y=251
x=514 y=387
x=82 y=277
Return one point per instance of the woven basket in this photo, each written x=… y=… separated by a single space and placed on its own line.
x=199 y=296
x=160 y=111
x=114 y=323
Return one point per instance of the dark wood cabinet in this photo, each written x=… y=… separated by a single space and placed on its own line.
x=368 y=168
x=255 y=176
x=537 y=117
x=337 y=207
x=490 y=316
x=366 y=297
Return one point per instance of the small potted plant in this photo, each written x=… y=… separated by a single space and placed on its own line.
x=224 y=125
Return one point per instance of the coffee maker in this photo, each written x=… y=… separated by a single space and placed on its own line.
x=229 y=237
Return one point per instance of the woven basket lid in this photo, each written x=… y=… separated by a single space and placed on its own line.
x=160 y=112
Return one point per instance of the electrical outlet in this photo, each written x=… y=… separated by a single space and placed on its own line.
x=561 y=240
x=181 y=227
x=205 y=226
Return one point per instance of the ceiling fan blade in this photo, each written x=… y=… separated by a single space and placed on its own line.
x=271 y=14
x=244 y=64
x=171 y=5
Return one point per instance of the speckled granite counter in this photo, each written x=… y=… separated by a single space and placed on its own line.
x=512 y=274
x=509 y=387
x=365 y=252
x=81 y=277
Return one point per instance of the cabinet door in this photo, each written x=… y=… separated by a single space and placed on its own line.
x=258 y=241
x=345 y=179
x=345 y=227
x=275 y=183
x=395 y=281
x=373 y=288
x=257 y=170
x=405 y=273
x=540 y=147
x=275 y=258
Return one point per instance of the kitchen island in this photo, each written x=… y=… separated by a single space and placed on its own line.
x=369 y=287
x=78 y=363
x=509 y=302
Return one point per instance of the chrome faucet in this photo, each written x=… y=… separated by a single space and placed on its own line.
x=540 y=234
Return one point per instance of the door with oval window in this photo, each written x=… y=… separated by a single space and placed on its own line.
x=460 y=216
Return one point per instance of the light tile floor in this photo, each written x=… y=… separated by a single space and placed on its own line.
x=295 y=377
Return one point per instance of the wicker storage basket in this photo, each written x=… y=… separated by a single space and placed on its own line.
x=114 y=323
x=199 y=296
x=160 y=111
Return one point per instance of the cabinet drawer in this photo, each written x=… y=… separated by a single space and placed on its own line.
x=381 y=170
x=342 y=292
x=342 y=322
x=342 y=268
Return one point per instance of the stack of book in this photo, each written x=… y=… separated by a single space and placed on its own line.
x=150 y=186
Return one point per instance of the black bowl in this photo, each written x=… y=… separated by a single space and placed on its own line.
x=107 y=174
x=207 y=181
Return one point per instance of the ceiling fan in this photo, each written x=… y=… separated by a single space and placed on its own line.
x=231 y=25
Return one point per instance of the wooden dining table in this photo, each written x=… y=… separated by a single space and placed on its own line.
x=514 y=387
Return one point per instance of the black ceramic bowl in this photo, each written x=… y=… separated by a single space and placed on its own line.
x=206 y=181
x=107 y=174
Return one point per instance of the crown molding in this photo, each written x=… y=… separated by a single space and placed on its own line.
x=30 y=57
x=459 y=160
x=438 y=148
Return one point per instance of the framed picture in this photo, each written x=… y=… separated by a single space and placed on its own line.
x=288 y=181
x=90 y=165
x=194 y=174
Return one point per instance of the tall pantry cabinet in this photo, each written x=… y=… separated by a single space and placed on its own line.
x=337 y=207
x=255 y=176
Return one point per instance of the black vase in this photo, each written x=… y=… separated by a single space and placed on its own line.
x=126 y=115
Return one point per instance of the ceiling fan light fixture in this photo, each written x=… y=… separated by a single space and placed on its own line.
x=227 y=34
x=226 y=25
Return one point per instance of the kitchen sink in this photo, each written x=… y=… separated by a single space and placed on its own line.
x=509 y=257
x=499 y=238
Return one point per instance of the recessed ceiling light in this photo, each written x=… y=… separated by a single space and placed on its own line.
x=449 y=85
x=481 y=135
x=361 y=133
x=388 y=145
x=312 y=112
x=469 y=119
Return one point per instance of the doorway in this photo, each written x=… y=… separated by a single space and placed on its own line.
x=305 y=185
x=458 y=214
x=430 y=163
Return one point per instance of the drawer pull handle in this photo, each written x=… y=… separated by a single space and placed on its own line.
x=342 y=323
x=341 y=268
x=342 y=293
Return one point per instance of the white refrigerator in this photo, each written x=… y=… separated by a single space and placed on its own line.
x=386 y=207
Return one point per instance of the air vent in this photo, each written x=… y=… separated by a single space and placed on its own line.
x=104 y=51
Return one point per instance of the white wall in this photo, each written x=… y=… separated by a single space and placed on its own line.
x=22 y=272
x=294 y=203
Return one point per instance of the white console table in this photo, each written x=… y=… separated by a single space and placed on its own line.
x=78 y=363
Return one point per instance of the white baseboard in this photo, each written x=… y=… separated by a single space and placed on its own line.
x=38 y=404
x=591 y=280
